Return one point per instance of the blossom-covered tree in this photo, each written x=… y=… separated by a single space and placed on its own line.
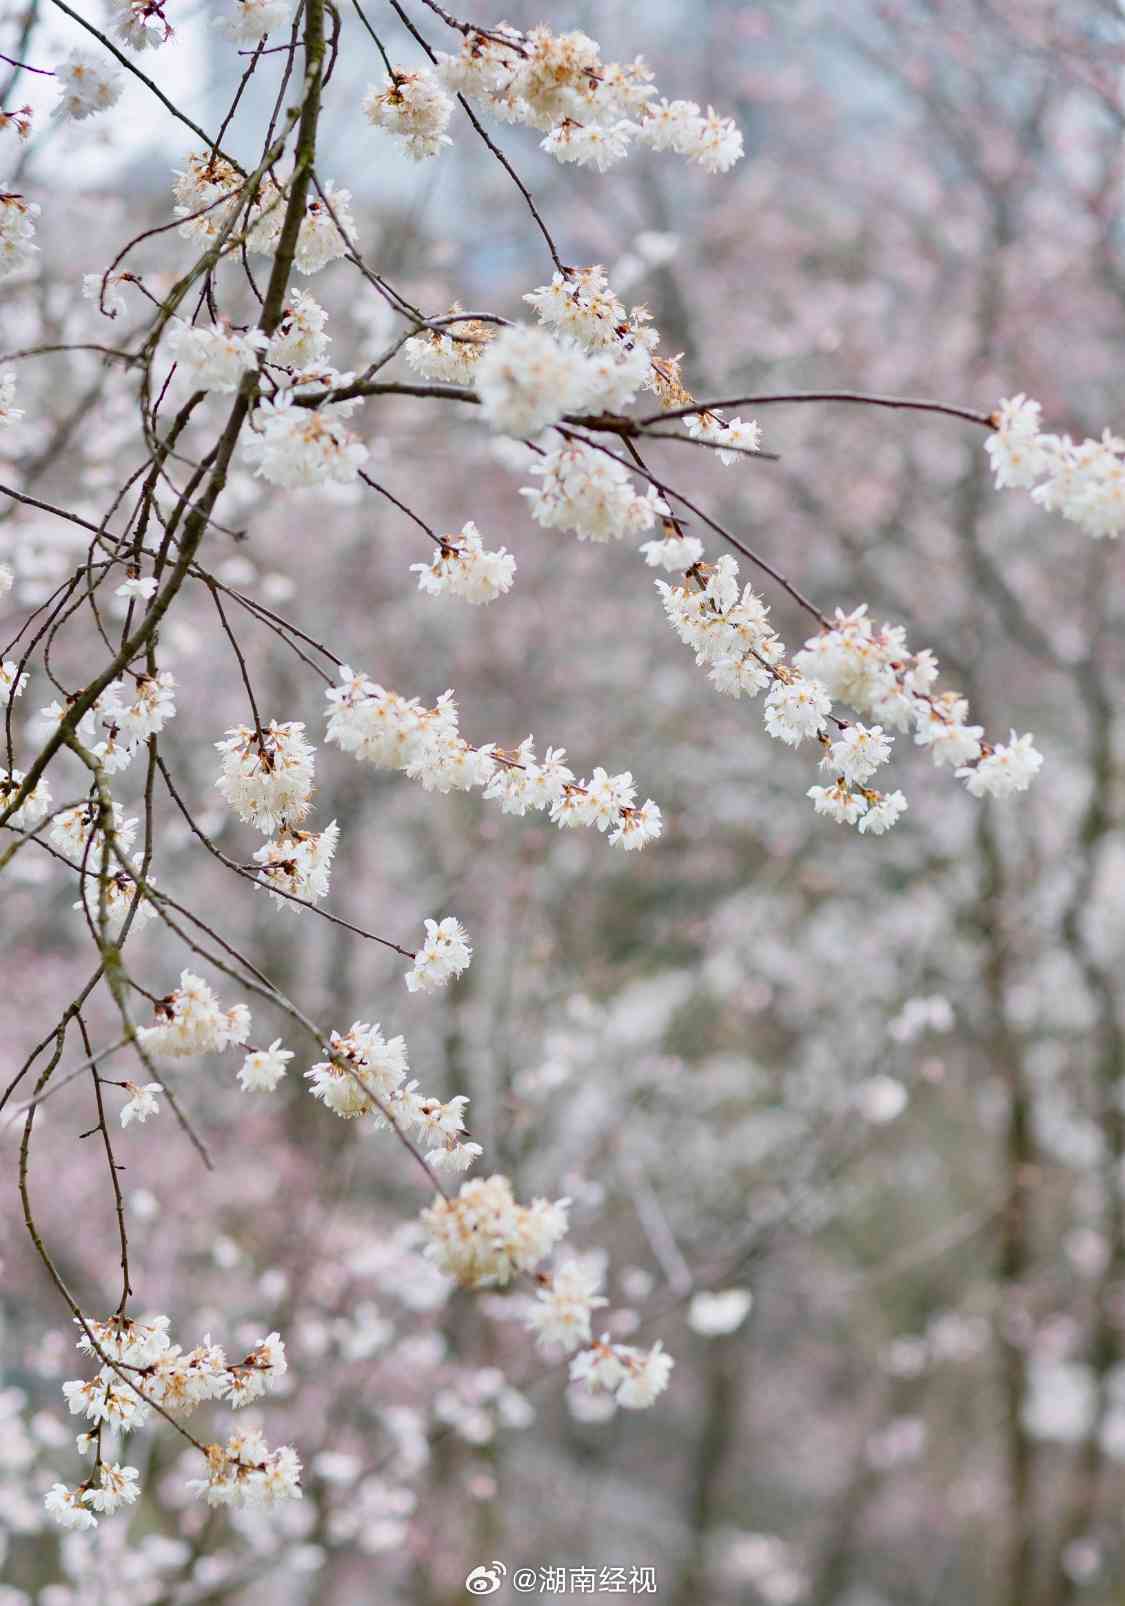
x=686 y=1055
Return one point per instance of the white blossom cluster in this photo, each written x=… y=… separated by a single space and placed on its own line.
x=141 y=1367
x=482 y=1238
x=579 y=303
x=76 y=833
x=9 y=412
x=366 y=1074
x=215 y=359
x=325 y=230
x=208 y=193
x=129 y=711
x=140 y=24
x=12 y=681
x=299 y=342
x=87 y=84
x=263 y=1068
x=463 y=567
x=17 y=233
x=873 y=671
x=414 y=108
x=590 y=111
x=245 y=1471
x=141 y=1103
x=731 y=436
x=592 y=493
x=382 y=728
x=247 y=21
x=444 y=954
x=34 y=808
x=267 y=774
x=527 y=379
x=876 y=673
x=1082 y=480
x=298 y=863
x=565 y=1300
x=449 y=354
x=189 y=1021
x=634 y=1377
x=295 y=447
x=674 y=551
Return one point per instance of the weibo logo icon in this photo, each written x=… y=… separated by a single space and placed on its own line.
x=486 y=1580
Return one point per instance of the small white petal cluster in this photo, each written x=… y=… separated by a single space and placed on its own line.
x=298 y=863
x=366 y=1074
x=590 y=110
x=117 y=1486
x=463 y=567
x=726 y=626
x=579 y=303
x=263 y=1068
x=86 y=85
x=673 y=552
x=267 y=774
x=7 y=580
x=17 y=233
x=716 y=1314
x=76 y=833
x=850 y=661
x=128 y=714
x=449 y=354
x=156 y=1372
x=565 y=1301
x=111 y=298
x=875 y=672
x=140 y=24
x=68 y=1507
x=725 y=433
x=246 y=1472
x=379 y=727
x=8 y=412
x=297 y=447
x=215 y=359
x=189 y=1022
x=1004 y=770
x=141 y=1102
x=12 y=682
x=1082 y=480
x=33 y=809
x=299 y=342
x=247 y=21
x=592 y=493
x=713 y=142
x=858 y=752
x=634 y=1377
x=597 y=145
x=206 y=195
x=526 y=379
x=413 y=107
x=482 y=1238
x=795 y=708
x=444 y=954
x=136 y=589
x=322 y=238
